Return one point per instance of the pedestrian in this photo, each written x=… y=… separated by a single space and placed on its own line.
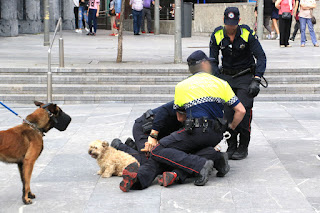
x=305 y=17
x=285 y=19
x=93 y=11
x=83 y=15
x=76 y=15
x=243 y=65
x=114 y=12
x=296 y=17
x=137 y=7
x=267 y=11
x=275 y=18
x=146 y=13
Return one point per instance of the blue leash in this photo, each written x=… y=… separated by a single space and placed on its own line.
x=8 y=108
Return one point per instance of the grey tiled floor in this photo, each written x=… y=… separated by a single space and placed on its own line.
x=281 y=173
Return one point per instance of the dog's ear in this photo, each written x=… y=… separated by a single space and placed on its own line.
x=38 y=103
x=105 y=144
x=53 y=108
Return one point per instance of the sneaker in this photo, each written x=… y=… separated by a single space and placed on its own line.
x=76 y=30
x=143 y=32
x=86 y=29
x=241 y=153
x=130 y=143
x=204 y=173
x=316 y=45
x=79 y=31
x=273 y=34
x=112 y=34
x=318 y=157
x=282 y=46
x=222 y=165
x=269 y=36
x=278 y=37
x=129 y=175
x=137 y=34
x=89 y=33
x=151 y=32
x=167 y=179
x=116 y=143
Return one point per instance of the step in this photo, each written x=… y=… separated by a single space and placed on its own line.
x=137 y=70
x=145 y=80
x=133 y=98
x=140 y=89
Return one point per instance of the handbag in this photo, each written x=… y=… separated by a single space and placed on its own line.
x=112 y=12
x=286 y=15
x=313 y=19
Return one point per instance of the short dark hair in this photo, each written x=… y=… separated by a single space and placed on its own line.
x=195 y=68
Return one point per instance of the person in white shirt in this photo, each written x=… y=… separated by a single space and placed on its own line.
x=305 y=17
x=137 y=7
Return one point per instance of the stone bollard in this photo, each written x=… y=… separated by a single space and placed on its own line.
x=29 y=16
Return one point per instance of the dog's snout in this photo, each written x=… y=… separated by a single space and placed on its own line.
x=90 y=152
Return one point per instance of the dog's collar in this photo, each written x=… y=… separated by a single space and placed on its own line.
x=34 y=126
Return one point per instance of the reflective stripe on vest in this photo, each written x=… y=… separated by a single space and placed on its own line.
x=219 y=35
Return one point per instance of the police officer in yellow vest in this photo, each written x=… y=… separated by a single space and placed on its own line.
x=243 y=65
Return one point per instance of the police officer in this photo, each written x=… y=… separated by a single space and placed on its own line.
x=240 y=49
x=202 y=96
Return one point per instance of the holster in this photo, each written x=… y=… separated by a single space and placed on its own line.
x=148 y=122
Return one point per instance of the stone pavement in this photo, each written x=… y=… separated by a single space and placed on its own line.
x=81 y=51
x=281 y=173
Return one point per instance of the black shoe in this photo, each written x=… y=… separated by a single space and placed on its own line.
x=204 y=174
x=130 y=143
x=116 y=143
x=222 y=165
x=241 y=153
x=89 y=34
x=232 y=146
x=137 y=34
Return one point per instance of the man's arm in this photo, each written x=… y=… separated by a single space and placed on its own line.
x=214 y=53
x=239 y=112
x=98 y=10
x=259 y=54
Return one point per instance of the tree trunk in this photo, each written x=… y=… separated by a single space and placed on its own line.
x=119 y=56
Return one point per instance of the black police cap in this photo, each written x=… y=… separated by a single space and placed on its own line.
x=197 y=57
x=231 y=16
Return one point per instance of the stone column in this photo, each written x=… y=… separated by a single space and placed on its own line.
x=55 y=13
x=9 y=18
x=29 y=16
x=68 y=15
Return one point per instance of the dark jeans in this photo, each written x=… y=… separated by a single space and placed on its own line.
x=240 y=87
x=284 y=28
x=92 y=19
x=76 y=16
x=296 y=28
x=137 y=15
x=146 y=13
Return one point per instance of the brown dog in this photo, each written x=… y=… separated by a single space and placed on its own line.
x=23 y=144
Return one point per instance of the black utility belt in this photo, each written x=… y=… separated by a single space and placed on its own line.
x=217 y=125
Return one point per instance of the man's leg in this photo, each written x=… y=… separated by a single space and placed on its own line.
x=139 y=21
x=244 y=128
x=149 y=20
x=142 y=19
x=233 y=140
x=303 y=23
x=311 y=30
x=90 y=18
x=134 y=14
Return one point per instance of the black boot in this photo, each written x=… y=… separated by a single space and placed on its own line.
x=204 y=174
x=129 y=142
x=242 y=151
x=222 y=165
x=116 y=143
x=232 y=143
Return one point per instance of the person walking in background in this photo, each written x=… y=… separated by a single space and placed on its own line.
x=267 y=10
x=275 y=18
x=94 y=8
x=83 y=15
x=305 y=16
x=76 y=14
x=114 y=12
x=137 y=7
x=285 y=19
x=296 y=17
x=146 y=13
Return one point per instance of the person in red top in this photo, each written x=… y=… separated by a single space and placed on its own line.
x=285 y=19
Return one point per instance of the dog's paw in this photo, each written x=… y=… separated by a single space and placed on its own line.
x=31 y=195
x=27 y=201
x=106 y=175
x=99 y=172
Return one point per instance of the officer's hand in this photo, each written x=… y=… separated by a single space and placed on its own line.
x=254 y=87
x=148 y=146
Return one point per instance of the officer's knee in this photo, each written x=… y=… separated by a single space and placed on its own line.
x=155 y=151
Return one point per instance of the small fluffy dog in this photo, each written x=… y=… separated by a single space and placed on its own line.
x=110 y=160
